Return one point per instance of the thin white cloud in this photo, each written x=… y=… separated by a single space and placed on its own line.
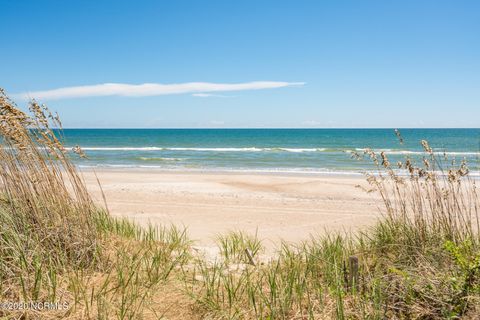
x=203 y=95
x=208 y=95
x=151 y=89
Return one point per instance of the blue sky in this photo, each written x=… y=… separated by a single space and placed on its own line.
x=261 y=63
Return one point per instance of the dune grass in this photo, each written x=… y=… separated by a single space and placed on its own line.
x=57 y=247
x=420 y=261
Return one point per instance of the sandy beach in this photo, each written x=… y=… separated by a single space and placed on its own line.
x=288 y=207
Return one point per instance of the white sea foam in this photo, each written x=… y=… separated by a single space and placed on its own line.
x=248 y=149
x=318 y=171
x=252 y=149
x=122 y=148
x=299 y=150
x=448 y=153
x=160 y=159
x=277 y=149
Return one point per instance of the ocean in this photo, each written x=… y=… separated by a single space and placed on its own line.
x=325 y=151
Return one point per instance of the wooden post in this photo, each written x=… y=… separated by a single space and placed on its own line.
x=353 y=272
x=250 y=256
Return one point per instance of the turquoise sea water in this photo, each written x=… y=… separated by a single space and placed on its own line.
x=264 y=150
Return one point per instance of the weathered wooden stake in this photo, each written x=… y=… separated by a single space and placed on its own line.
x=353 y=272
x=249 y=256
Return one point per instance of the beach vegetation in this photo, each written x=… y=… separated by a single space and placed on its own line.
x=62 y=256
x=421 y=260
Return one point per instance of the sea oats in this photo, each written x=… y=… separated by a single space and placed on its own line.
x=399 y=136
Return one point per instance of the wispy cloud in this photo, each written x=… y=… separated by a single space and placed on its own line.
x=208 y=95
x=203 y=95
x=151 y=89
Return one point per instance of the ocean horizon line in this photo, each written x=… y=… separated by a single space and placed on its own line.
x=269 y=128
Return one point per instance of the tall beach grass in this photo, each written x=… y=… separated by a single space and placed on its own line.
x=61 y=256
x=421 y=260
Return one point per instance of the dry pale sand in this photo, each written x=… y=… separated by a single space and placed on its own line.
x=288 y=207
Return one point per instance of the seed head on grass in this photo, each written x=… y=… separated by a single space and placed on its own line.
x=55 y=243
